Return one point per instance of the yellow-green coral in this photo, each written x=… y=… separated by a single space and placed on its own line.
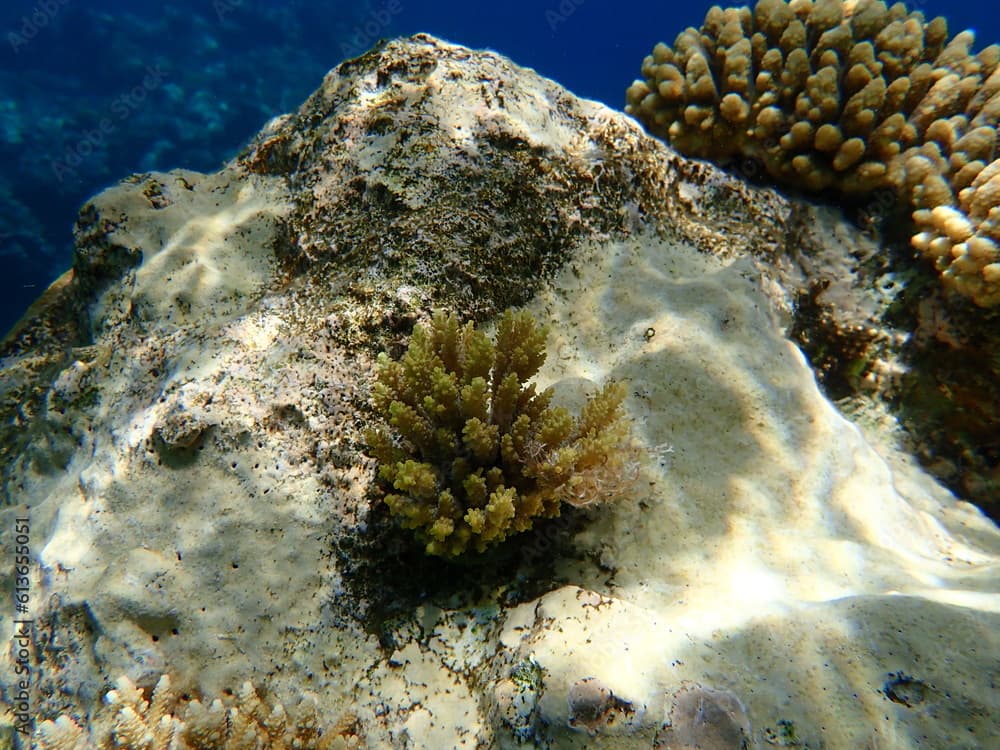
x=847 y=95
x=471 y=453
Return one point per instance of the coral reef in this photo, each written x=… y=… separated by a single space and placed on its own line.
x=850 y=96
x=199 y=504
x=167 y=720
x=472 y=453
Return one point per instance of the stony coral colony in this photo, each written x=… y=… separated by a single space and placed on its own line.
x=850 y=96
x=471 y=454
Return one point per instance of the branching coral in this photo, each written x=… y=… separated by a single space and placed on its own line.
x=169 y=721
x=847 y=95
x=471 y=453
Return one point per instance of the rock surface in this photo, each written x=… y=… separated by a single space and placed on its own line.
x=182 y=417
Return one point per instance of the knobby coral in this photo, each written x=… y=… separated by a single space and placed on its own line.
x=471 y=453
x=851 y=96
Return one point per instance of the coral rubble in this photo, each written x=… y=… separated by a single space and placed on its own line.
x=167 y=720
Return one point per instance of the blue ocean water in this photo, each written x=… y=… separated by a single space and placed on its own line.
x=93 y=91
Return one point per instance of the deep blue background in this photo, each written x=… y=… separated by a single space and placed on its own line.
x=225 y=74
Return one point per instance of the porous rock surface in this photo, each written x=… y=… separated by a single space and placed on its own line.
x=183 y=415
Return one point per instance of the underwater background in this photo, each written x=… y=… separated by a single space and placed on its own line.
x=91 y=92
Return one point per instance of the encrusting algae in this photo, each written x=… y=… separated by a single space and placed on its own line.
x=471 y=454
x=850 y=96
